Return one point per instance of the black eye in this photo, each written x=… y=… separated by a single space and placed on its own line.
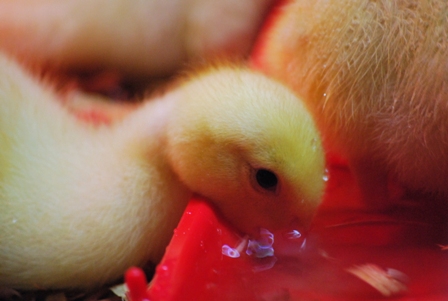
x=266 y=179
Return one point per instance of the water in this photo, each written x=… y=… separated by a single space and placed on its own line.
x=349 y=254
x=230 y=252
x=261 y=247
x=352 y=254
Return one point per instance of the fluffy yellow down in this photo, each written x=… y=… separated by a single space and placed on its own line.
x=80 y=204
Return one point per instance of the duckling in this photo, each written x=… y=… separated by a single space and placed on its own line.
x=82 y=203
x=119 y=35
x=374 y=75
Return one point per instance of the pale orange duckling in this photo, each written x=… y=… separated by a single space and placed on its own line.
x=374 y=74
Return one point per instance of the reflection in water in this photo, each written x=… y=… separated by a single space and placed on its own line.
x=230 y=252
x=293 y=234
x=350 y=254
x=261 y=247
x=388 y=282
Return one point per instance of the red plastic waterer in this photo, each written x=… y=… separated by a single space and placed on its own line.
x=197 y=253
x=349 y=254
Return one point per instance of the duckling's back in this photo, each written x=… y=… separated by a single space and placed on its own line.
x=78 y=205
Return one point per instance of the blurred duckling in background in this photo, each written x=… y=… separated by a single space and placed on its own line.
x=82 y=203
x=375 y=76
x=137 y=38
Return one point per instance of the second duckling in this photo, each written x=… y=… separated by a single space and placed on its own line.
x=375 y=76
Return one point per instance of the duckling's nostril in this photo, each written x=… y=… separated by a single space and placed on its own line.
x=266 y=179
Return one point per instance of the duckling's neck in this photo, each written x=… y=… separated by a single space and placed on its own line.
x=146 y=128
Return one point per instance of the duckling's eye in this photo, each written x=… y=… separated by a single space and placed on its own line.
x=266 y=179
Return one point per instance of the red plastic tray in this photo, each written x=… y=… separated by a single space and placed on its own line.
x=311 y=267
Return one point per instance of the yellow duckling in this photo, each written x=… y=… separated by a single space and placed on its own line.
x=80 y=204
x=375 y=76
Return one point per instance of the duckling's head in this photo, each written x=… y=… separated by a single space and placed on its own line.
x=250 y=146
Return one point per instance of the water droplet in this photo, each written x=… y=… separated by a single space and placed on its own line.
x=230 y=252
x=325 y=94
x=164 y=269
x=314 y=144
x=303 y=245
x=294 y=234
x=326 y=177
x=267 y=238
x=262 y=247
x=254 y=249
